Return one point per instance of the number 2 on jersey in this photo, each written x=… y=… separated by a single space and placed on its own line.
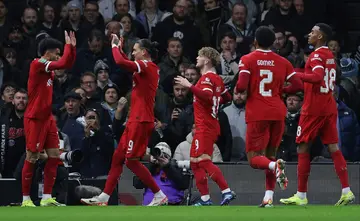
x=329 y=79
x=268 y=78
x=215 y=107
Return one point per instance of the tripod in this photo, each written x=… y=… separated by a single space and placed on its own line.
x=191 y=178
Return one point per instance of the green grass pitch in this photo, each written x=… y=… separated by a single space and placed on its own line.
x=184 y=213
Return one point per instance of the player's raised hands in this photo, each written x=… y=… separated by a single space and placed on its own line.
x=182 y=81
x=67 y=38
x=72 y=39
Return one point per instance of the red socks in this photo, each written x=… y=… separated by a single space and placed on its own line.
x=117 y=164
x=26 y=177
x=143 y=173
x=260 y=162
x=50 y=172
x=270 y=178
x=340 y=168
x=200 y=178
x=214 y=173
x=303 y=171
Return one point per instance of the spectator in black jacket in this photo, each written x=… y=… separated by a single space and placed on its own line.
x=13 y=142
x=97 y=147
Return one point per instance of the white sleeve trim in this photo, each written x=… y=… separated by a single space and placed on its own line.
x=226 y=90
x=317 y=66
x=138 y=66
x=47 y=66
x=290 y=75
x=207 y=89
x=245 y=71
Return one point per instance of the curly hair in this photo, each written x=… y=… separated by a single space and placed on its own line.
x=211 y=54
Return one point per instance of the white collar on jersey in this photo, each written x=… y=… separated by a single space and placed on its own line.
x=324 y=47
x=265 y=51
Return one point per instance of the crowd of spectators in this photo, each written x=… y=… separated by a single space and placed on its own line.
x=98 y=90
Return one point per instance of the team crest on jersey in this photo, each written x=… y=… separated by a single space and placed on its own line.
x=241 y=64
x=218 y=89
x=316 y=55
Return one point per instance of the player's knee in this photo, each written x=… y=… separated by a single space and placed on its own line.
x=201 y=179
x=53 y=153
x=303 y=148
x=32 y=157
x=332 y=148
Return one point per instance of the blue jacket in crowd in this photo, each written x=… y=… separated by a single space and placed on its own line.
x=349 y=132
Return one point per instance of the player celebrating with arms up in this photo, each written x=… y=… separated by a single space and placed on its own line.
x=39 y=124
x=263 y=74
x=209 y=93
x=139 y=127
x=318 y=116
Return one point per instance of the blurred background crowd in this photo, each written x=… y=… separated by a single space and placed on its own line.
x=97 y=91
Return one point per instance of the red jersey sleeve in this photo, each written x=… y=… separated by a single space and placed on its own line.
x=244 y=75
x=318 y=70
x=65 y=62
x=121 y=59
x=204 y=88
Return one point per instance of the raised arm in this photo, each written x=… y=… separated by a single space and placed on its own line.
x=204 y=92
x=120 y=57
x=68 y=58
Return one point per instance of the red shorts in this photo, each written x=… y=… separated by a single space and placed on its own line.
x=135 y=138
x=263 y=134
x=202 y=144
x=312 y=126
x=40 y=134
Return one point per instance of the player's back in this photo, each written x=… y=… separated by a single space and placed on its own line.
x=318 y=98
x=40 y=90
x=145 y=84
x=206 y=112
x=268 y=73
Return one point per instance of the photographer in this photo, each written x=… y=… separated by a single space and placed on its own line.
x=167 y=175
x=97 y=147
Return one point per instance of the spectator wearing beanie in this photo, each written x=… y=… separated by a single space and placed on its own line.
x=110 y=97
x=102 y=70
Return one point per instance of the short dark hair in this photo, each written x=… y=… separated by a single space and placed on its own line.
x=326 y=30
x=88 y=73
x=265 y=37
x=21 y=90
x=240 y=3
x=49 y=44
x=8 y=84
x=150 y=47
x=229 y=34
x=192 y=67
x=96 y=34
x=174 y=39
x=92 y=2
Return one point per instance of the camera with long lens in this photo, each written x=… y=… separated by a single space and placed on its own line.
x=68 y=158
x=161 y=150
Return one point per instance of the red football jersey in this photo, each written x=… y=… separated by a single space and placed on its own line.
x=318 y=98
x=206 y=111
x=145 y=84
x=268 y=72
x=40 y=90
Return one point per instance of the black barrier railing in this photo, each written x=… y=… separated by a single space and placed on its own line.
x=249 y=184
